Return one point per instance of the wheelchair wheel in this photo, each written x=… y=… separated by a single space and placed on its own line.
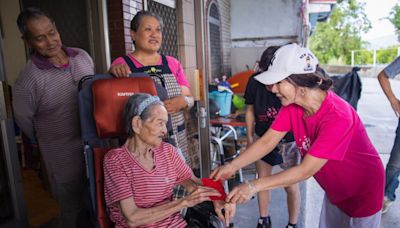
x=203 y=216
x=216 y=223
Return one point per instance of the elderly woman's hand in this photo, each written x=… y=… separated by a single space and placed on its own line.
x=229 y=208
x=224 y=172
x=120 y=70
x=199 y=195
x=241 y=193
x=175 y=104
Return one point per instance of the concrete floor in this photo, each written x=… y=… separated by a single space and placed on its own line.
x=379 y=118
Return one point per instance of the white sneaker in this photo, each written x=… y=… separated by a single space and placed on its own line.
x=386 y=204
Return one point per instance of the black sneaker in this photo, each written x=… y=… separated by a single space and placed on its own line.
x=264 y=223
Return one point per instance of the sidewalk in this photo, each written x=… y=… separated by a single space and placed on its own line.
x=377 y=115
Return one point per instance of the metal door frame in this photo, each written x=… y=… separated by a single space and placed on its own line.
x=202 y=106
x=9 y=148
x=98 y=34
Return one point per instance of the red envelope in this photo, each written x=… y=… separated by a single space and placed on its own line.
x=215 y=185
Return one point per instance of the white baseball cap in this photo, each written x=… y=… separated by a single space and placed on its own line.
x=287 y=60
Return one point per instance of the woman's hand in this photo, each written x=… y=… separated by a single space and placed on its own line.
x=199 y=195
x=175 y=104
x=224 y=172
x=229 y=208
x=241 y=193
x=120 y=70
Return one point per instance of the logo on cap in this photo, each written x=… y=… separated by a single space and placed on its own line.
x=308 y=66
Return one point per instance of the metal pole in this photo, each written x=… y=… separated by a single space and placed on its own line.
x=352 y=57
x=203 y=112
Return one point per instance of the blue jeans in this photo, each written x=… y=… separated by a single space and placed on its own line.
x=393 y=168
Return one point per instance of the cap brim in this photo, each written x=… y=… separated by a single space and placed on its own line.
x=270 y=77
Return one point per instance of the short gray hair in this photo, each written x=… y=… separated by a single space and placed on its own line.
x=132 y=109
x=28 y=14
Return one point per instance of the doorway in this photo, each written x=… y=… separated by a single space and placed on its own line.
x=12 y=205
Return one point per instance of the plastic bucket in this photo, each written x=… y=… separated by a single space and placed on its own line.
x=223 y=100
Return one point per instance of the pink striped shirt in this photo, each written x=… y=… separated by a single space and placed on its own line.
x=124 y=177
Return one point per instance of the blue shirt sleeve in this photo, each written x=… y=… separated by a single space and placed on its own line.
x=393 y=68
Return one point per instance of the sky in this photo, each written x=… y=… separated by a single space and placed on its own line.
x=376 y=10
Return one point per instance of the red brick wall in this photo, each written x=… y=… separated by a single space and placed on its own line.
x=120 y=14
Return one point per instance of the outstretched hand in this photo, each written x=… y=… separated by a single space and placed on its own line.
x=241 y=193
x=229 y=208
x=223 y=172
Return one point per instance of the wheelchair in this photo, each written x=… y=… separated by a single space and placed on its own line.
x=101 y=101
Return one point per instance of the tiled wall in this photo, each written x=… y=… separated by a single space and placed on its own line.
x=119 y=30
x=186 y=35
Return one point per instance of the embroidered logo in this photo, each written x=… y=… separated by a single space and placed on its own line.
x=307 y=58
x=271 y=112
x=125 y=94
x=269 y=116
x=153 y=70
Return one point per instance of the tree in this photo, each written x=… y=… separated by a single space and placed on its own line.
x=386 y=55
x=334 y=39
x=394 y=17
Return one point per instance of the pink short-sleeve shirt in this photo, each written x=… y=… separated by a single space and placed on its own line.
x=353 y=178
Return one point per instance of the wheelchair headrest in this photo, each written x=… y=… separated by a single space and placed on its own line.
x=109 y=98
x=102 y=100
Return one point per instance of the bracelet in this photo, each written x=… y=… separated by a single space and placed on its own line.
x=189 y=101
x=252 y=188
x=235 y=166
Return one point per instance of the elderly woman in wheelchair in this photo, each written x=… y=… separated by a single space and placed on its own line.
x=140 y=175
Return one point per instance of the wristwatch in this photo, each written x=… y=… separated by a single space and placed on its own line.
x=189 y=101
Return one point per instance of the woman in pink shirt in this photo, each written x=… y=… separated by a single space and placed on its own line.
x=333 y=142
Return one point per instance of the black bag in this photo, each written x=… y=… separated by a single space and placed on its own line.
x=203 y=216
x=214 y=109
x=348 y=86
